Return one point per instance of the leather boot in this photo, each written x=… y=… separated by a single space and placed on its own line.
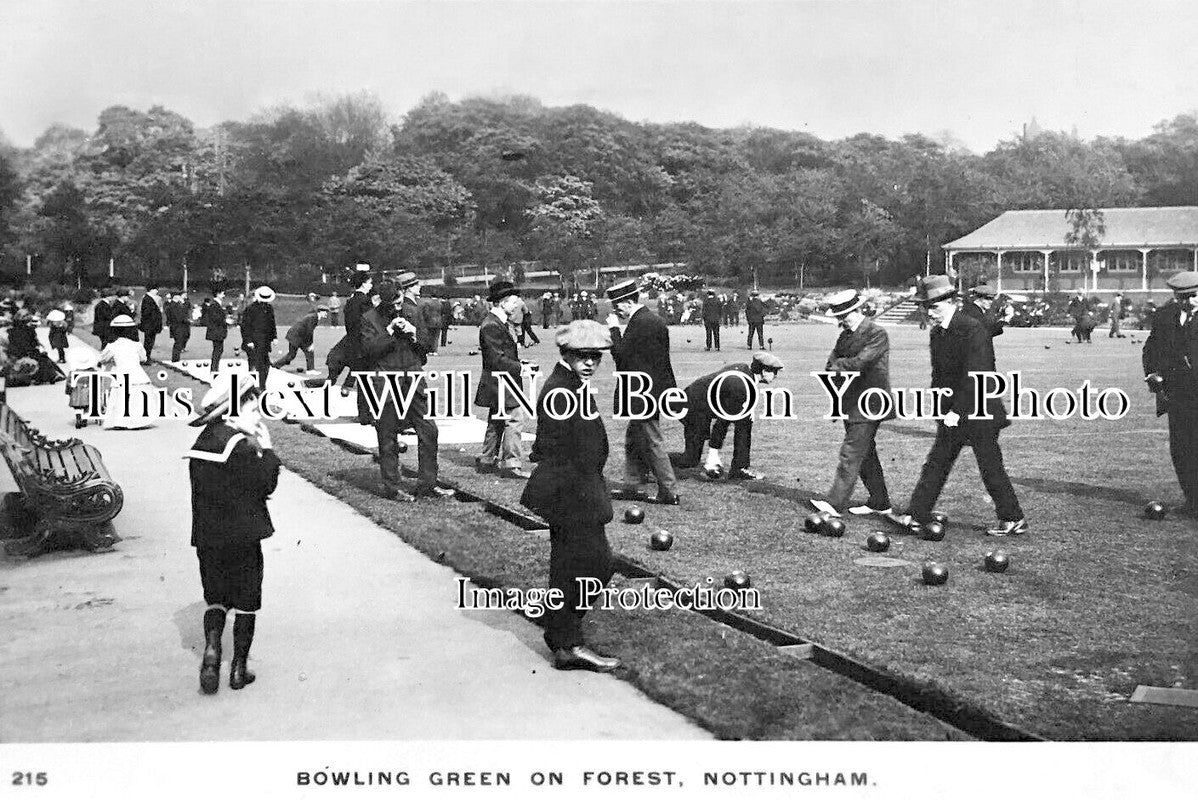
x=214 y=628
x=243 y=637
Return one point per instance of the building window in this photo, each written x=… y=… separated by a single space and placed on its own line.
x=1122 y=261
x=1070 y=261
x=1171 y=260
x=1024 y=262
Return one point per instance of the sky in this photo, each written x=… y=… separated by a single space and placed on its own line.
x=978 y=70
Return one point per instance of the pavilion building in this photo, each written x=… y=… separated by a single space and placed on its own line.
x=1028 y=251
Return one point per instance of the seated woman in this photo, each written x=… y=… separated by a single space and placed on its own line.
x=23 y=348
x=123 y=357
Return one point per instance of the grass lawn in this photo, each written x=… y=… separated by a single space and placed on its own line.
x=1096 y=601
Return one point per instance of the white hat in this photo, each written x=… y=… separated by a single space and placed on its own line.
x=215 y=404
x=264 y=293
x=843 y=302
x=122 y=321
x=56 y=315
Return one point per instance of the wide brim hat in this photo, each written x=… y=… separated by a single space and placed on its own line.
x=843 y=302
x=501 y=289
x=122 y=321
x=1183 y=283
x=56 y=316
x=933 y=289
x=583 y=334
x=623 y=290
x=983 y=290
x=264 y=294
x=216 y=404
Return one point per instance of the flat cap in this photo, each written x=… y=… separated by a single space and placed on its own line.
x=1183 y=283
x=623 y=290
x=583 y=334
x=763 y=361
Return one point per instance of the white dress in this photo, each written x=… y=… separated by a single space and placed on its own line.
x=123 y=358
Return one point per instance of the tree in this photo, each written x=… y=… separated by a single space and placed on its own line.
x=564 y=219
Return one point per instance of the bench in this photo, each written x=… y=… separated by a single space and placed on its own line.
x=66 y=495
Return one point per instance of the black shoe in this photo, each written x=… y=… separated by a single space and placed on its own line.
x=433 y=492
x=239 y=675
x=745 y=475
x=243 y=637
x=214 y=626
x=680 y=461
x=514 y=472
x=665 y=499
x=634 y=495
x=583 y=657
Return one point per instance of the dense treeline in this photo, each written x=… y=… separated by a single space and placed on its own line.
x=296 y=191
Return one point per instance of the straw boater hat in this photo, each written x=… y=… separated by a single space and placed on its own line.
x=406 y=279
x=624 y=290
x=122 y=321
x=264 y=294
x=843 y=302
x=56 y=316
x=215 y=404
x=1183 y=283
x=933 y=289
x=983 y=290
x=500 y=290
x=583 y=334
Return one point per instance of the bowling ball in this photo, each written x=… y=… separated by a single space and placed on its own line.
x=634 y=515
x=832 y=527
x=878 y=542
x=813 y=522
x=939 y=516
x=661 y=540
x=932 y=532
x=1154 y=510
x=997 y=561
x=737 y=579
x=935 y=574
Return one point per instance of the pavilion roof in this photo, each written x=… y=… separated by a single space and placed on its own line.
x=1043 y=229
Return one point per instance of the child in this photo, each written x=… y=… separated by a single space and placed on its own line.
x=58 y=333
x=233 y=472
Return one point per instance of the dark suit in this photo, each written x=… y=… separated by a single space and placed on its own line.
x=1172 y=352
x=755 y=317
x=300 y=336
x=990 y=320
x=178 y=322
x=865 y=351
x=645 y=347
x=568 y=489
x=258 y=332
x=102 y=314
x=964 y=348
x=150 y=324
x=398 y=352
x=702 y=424
x=713 y=315
x=502 y=445
x=215 y=320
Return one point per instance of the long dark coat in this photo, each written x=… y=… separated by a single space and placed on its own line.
x=258 y=325
x=964 y=348
x=151 y=316
x=645 y=347
x=499 y=354
x=567 y=486
x=1172 y=352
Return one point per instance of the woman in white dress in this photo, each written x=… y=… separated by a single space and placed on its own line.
x=123 y=357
